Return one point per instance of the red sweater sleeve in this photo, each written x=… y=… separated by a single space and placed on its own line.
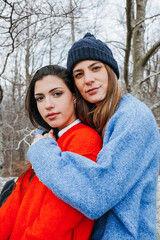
x=8 y=213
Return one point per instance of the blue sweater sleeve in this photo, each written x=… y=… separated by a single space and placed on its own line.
x=131 y=144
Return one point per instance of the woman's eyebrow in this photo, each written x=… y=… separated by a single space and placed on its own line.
x=77 y=70
x=94 y=64
x=50 y=91
x=53 y=89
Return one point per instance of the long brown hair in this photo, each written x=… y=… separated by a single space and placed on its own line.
x=31 y=105
x=97 y=116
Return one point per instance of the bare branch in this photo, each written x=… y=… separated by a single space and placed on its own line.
x=31 y=133
x=151 y=75
x=150 y=52
x=138 y=23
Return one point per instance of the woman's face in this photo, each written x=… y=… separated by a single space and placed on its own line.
x=91 y=79
x=55 y=102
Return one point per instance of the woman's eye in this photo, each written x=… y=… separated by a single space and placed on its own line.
x=96 y=68
x=57 y=94
x=78 y=75
x=38 y=99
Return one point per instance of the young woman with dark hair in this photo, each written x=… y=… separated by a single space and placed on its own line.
x=32 y=211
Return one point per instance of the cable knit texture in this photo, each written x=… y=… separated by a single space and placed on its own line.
x=35 y=213
x=120 y=189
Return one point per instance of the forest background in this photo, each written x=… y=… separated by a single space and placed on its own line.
x=37 y=33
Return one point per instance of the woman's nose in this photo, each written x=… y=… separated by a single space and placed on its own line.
x=49 y=103
x=88 y=77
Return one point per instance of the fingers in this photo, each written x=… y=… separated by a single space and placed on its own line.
x=34 y=141
x=38 y=136
x=50 y=134
x=46 y=135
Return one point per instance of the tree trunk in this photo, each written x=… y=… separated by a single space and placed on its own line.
x=138 y=44
x=72 y=21
x=129 y=23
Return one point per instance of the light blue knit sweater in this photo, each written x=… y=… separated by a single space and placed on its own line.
x=120 y=189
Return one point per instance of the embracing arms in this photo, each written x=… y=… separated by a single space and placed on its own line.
x=131 y=146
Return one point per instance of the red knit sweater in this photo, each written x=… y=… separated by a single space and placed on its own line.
x=36 y=213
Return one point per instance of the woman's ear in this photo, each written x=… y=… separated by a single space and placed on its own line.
x=74 y=99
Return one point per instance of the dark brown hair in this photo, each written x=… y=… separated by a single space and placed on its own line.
x=31 y=105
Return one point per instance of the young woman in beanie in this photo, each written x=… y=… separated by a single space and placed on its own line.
x=119 y=191
x=32 y=211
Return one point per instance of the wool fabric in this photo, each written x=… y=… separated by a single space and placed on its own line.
x=119 y=190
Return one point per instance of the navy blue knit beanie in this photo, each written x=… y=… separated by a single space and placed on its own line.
x=90 y=48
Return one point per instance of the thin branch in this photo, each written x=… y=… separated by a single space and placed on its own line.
x=150 y=52
x=151 y=75
x=138 y=23
x=24 y=139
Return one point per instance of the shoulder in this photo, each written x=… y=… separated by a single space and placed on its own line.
x=132 y=110
x=132 y=107
x=85 y=134
x=132 y=117
x=81 y=139
x=85 y=129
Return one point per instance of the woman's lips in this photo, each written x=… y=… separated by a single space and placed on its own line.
x=52 y=116
x=92 y=91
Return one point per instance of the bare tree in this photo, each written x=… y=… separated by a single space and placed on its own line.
x=27 y=33
x=135 y=43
